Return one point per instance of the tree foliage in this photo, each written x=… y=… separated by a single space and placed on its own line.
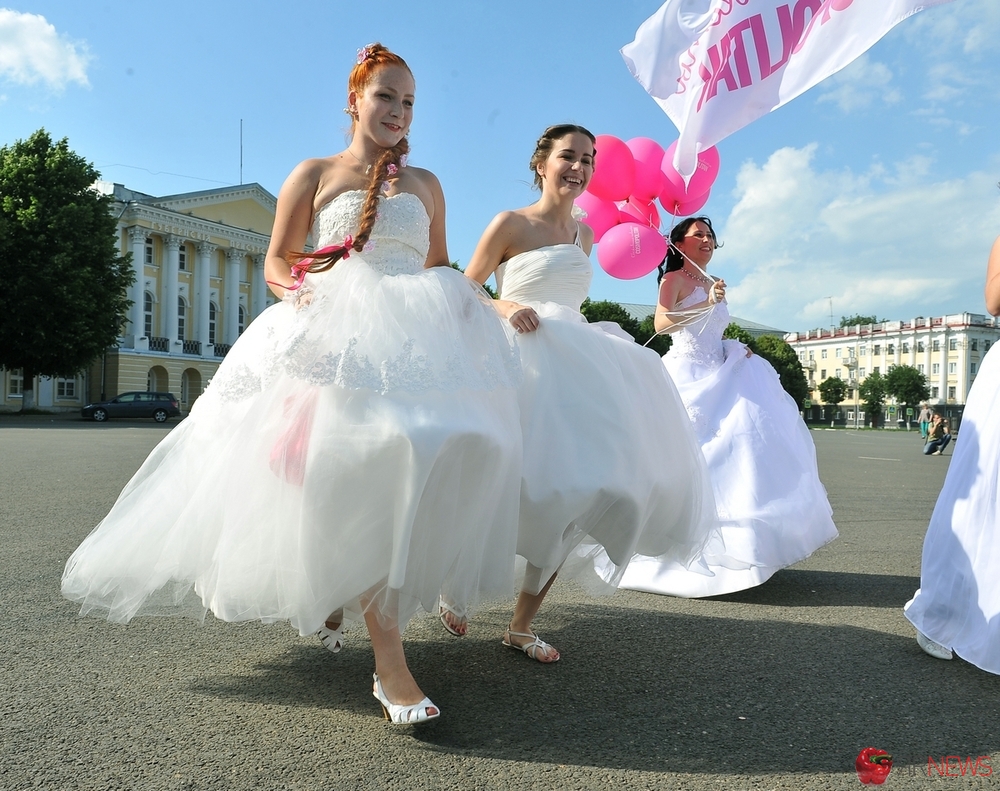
x=873 y=392
x=851 y=321
x=735 y=332
x=833 y=390
x=63 y=298
x=786 y=362
x=907 y=385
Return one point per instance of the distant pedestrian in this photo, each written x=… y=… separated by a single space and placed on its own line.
x=937 y=436
x=925 y=420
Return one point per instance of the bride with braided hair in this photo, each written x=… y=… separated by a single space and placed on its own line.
x=359 y=447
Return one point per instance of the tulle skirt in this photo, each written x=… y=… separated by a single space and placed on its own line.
x=958 y=603
x=772 y=507
x=361 y=451
x=611 y=465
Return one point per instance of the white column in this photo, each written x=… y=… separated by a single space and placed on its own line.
x=136 y=313
x=203 y=291
x=231 y=314
x=171 y=262
x=259 y=287
x=943 y=377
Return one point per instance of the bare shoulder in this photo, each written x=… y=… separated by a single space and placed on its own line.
x=586 y=236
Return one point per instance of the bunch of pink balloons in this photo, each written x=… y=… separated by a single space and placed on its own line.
x=620 y=201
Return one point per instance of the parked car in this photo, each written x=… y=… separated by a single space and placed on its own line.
x=158 y=406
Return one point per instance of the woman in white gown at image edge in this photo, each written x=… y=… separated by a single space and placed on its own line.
x=359 y=446
x=772 y=507
x=956 y=610
x=598 y=412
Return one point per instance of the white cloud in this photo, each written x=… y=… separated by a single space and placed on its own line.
x=890 y=241
x=859 y=84
x=32 y=51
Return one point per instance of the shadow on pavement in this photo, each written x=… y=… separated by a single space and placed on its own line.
x=806 y=588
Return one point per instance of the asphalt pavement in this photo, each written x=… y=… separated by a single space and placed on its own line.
x=778 y=687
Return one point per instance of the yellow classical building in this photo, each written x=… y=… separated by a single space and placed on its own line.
x=198 y=259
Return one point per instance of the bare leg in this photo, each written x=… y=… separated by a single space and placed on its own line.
x=390 y=663
x=525 y=610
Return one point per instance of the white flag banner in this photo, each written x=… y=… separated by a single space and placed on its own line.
x=716 y=65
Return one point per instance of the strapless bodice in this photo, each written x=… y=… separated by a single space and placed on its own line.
x=702 y=339
x=399 y=240
x=559 y=273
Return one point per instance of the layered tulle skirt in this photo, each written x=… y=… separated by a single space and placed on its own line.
x=611 y=465
x=358 y=450
x=958 y=603
x=772 y=507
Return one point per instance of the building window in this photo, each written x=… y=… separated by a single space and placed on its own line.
x=836 y=352
x=920 y=367
x=802 y=355
x=953 y=368
x=838 y=373
x=953 y=345
x=934 y=392
x=241 y=321
x=935 y=346
x=850 y=353
x=213 y=312
x=861 y=373
x=66 y=388
x=182 y=257
x=812 y=355
x=920 y=346
x=890 y=348
x=975 y=344
x=822 y=354
x=149 y=251
x=935 y=368
x=986 y=346
x=15 y=384
x=906 y=348
x=876 y=350
x=875 y=370
x=951 y=392
x=147 y=314
x=822 y=374
x=181 y=318
x=972 y=368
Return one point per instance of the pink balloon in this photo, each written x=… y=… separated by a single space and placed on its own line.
x=631 y=250
x=687 y=208
x=601 y=214
x=642 y=212
x=614 y=169
x=705 y=172
x=648 y=155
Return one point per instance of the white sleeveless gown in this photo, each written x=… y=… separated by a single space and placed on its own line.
x=611 y=466
x=958 y=602
x=772 y=507
x=366 y=445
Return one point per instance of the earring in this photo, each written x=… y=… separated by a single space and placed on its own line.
x=351 y=111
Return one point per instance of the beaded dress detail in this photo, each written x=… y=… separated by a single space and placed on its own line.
x=361 y=445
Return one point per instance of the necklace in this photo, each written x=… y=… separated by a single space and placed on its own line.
x=368 y=167
x=695 y=278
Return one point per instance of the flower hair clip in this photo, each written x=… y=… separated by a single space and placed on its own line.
x=364 y=53
x=403 y=160
x=392 y=170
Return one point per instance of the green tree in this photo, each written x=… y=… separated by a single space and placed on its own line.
x=907 y=385
x=605 y=310
x=486 y=286
x=63 y=296
x=735 y=332
x=873 y=392
x=786 y=362
x=647 y=337
x=833 y=390
x=850 y=321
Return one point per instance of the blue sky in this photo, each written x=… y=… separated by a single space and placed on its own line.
x=876 y=189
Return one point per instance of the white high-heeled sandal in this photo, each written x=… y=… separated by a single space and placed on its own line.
x=933 y=648
x=459 y=612
x=333 y=639
x=404 y=715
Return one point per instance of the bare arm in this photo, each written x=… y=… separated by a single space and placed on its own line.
x=489 y=254
x=671 y=319
x=292 y=219
x=993 y=280
x=437 y=252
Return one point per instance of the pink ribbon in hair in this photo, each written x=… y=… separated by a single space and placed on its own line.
x=301 y=269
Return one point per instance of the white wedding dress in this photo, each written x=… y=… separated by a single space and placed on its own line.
x=362 y=450
x=772 y=507
x=611 y=466
x=958 y=603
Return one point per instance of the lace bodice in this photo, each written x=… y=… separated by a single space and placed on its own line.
x=399 y=240
x=559 y=273
x=701 y=341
